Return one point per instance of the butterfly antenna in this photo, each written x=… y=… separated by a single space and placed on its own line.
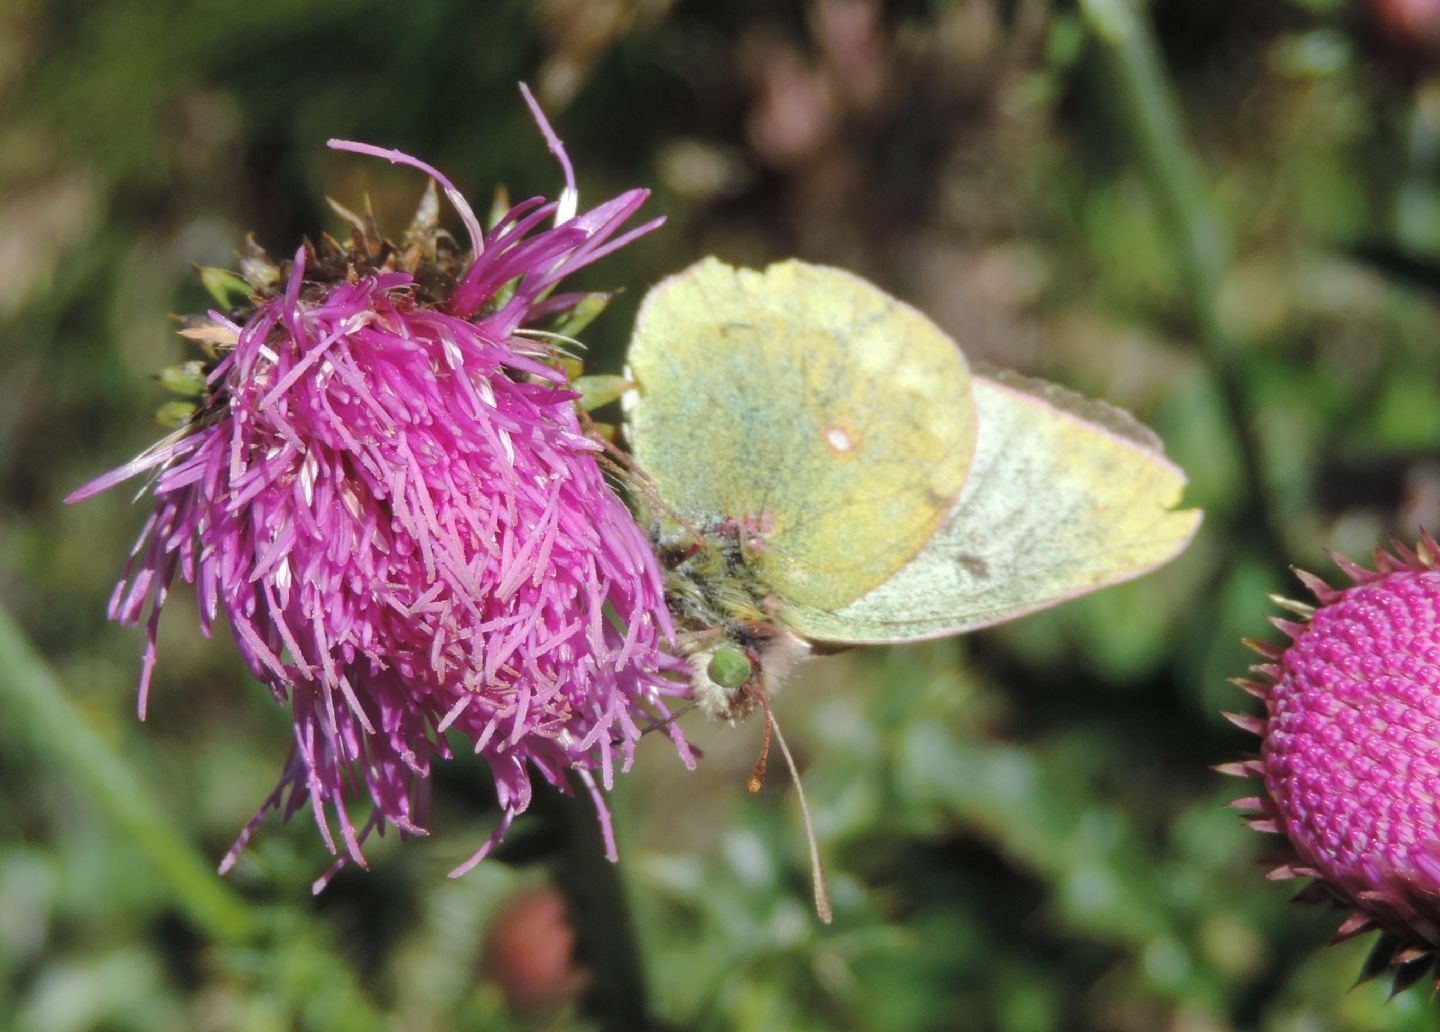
x=757 y=776
x=656 y=725
x=817 y=869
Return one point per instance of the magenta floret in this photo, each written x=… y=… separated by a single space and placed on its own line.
x=1350 y=751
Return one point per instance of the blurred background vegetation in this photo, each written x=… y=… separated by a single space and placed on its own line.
x=1022 y=829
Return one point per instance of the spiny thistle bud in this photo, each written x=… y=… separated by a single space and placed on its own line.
x=1350 y=752
x=387 y=491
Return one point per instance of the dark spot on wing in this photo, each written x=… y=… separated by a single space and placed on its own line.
x=974 y=566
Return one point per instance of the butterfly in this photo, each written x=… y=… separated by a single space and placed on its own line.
x=826 y=469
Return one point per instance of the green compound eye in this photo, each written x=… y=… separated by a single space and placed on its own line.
x=729 y=668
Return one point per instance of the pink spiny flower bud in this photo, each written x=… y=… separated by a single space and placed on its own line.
x=1350 y=752
x=387 y=492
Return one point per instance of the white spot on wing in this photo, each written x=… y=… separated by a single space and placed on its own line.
x=839 y=439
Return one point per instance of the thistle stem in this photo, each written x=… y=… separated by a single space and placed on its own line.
x=605 y=935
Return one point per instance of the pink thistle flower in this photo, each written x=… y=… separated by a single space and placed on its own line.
x=388 y=493
x=1350 y=752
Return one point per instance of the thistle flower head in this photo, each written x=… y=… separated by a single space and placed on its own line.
x=1350 y=752
x=386 y=490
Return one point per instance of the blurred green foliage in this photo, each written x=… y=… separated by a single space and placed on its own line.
x=1021 y=829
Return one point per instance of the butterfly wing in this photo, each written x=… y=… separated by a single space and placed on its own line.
x=829 y=423
x=1064 y=496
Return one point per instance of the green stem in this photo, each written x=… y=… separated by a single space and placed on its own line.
x=38 y=710
x=605 y=935
x=1152 y=116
